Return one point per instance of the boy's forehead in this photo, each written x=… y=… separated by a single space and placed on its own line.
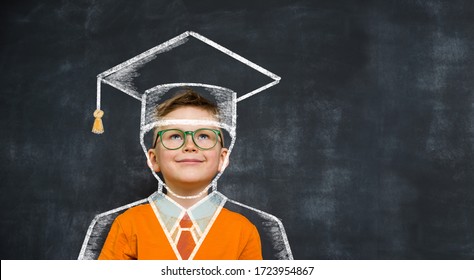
x=190 y=112
x=196 y=123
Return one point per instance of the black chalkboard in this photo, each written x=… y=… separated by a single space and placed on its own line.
x=364 y=150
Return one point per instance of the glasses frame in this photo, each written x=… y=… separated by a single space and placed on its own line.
x=186 y=133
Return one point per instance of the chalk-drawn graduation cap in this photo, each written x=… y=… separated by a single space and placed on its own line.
x=187 y=60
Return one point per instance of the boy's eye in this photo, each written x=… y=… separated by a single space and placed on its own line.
x=175 y=136
x=203 y=136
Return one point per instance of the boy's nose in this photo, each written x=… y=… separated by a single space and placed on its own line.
x=189 y=145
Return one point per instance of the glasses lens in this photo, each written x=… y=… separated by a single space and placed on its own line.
x=172 y=139
x=205 y=138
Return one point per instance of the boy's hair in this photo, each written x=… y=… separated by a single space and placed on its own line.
x=186 y=97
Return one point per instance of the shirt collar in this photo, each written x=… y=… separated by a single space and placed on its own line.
x=202 y=213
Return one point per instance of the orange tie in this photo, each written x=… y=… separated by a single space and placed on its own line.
x=186 y=242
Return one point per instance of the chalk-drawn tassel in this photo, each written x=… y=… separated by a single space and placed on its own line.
x=98 y=127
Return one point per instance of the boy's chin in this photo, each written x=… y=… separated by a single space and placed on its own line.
x=190 y=185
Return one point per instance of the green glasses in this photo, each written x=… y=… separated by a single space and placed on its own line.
x=203 y=138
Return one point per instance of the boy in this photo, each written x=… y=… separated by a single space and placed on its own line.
x=186 y=222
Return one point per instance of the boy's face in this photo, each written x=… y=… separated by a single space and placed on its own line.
x=188 y=169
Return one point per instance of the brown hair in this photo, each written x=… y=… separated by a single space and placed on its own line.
x=186 y=97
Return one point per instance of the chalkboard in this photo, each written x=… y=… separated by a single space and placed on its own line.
x=364 y=150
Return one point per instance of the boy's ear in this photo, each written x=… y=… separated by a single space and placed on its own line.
x=224 y=160
x=152 y=160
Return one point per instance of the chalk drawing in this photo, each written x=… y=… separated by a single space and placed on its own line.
x=121 y=77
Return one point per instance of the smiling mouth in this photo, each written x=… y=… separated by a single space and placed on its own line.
x=189 y=161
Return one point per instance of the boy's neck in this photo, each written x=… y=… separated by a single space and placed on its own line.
x=187 y=203
x=187 y=199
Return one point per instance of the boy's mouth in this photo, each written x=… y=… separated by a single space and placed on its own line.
x=189 y=160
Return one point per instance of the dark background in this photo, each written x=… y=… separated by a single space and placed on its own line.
x=364 y=149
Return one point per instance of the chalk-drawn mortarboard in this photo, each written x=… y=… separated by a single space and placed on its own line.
x=187 y=60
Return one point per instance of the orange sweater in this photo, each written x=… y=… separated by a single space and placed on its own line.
x=137 y=234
